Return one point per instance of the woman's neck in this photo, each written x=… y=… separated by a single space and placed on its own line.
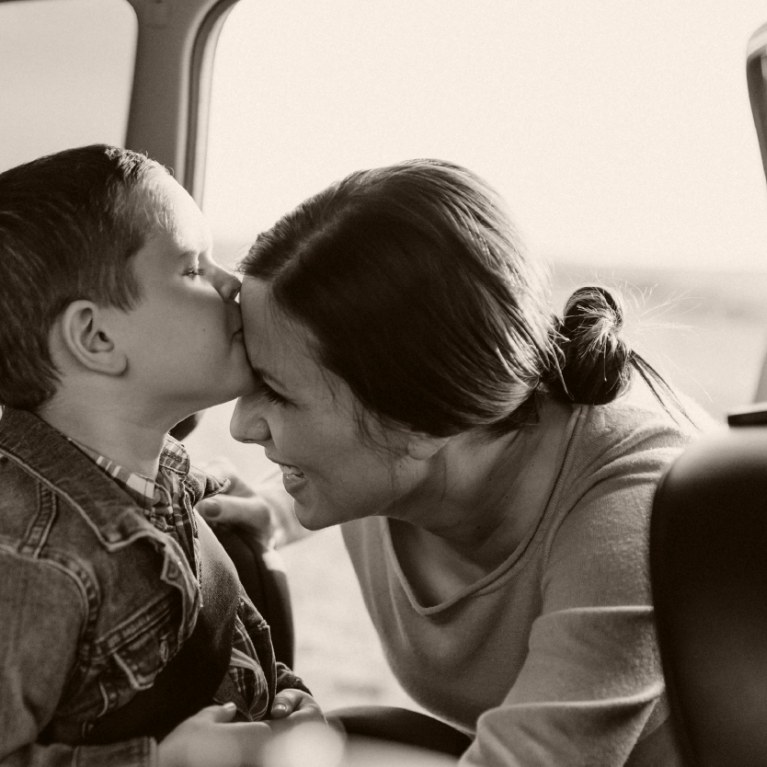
x=484 y=495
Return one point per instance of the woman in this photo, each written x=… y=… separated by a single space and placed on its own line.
x=493 y=482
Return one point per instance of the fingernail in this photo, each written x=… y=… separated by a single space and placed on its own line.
x=279 y=707
x=230 y=706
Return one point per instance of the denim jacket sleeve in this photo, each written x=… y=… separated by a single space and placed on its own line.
x=43 y=618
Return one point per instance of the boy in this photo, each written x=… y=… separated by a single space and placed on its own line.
x=121 y=615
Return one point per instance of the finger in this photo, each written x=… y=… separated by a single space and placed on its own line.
x=298 y=718
x=224 y=470
x=308 y=712
x=216 y=713
x=210 y=508
x=239 y=487
x=220 y=467
x=249 y=513
x=285 y=702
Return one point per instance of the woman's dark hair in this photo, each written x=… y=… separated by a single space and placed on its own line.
x=69 y=223
x=421 y=296
x=595 y=363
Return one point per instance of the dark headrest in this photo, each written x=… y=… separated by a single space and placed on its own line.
x=708 y=563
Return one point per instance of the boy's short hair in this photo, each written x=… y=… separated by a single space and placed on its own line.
x=69 y=224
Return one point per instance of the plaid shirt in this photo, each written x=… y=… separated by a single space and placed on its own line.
x=161 y=500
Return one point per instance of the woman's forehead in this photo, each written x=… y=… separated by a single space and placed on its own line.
x=285 y=352
x=271 y=337
x=263 y=319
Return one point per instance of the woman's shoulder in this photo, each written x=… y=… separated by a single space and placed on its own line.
x=614 y=456
x=638 y=420
x=632 y=435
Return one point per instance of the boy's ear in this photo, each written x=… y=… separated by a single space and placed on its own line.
x=84 y=336
x=421 y=447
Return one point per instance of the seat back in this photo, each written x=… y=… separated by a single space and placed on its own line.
x=708 y=565
x=265 y=581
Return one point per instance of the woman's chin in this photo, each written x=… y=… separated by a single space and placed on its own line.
x=311 y=517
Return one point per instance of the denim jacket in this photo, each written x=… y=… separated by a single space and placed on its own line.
x=94 y=603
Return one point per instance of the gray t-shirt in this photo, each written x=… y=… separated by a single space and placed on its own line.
x=550 y=658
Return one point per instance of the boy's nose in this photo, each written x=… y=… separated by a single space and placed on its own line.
x=227 y=285
x=247 y=424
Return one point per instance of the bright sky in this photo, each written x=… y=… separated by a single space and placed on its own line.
x=618 y=131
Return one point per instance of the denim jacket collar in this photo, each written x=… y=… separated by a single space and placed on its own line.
x=44 y=452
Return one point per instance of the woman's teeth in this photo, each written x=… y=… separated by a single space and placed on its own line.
x=291 y=471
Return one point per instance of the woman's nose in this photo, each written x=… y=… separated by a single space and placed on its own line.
x=227 y=285
x=248 y=424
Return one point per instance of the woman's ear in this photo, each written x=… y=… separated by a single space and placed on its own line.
x=422 y=447
x=84 y=335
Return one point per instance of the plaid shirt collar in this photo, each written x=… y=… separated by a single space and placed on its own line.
x=154 y=496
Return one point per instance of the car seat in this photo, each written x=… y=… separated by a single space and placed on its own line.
x=708 y=566
x=265 y=581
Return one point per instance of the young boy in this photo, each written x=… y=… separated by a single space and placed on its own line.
x=122 y=616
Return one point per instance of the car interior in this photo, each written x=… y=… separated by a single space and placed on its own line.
x=709 y=522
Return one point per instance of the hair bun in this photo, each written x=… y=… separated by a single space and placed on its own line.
x=595 y=361
x=593 y=310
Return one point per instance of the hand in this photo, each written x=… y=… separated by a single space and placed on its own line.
x=210 y=738
x=264 y=512
x=302 y=735
x=297 y=706
x=239 y=506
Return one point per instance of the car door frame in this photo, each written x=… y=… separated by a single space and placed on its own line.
x=168 y=115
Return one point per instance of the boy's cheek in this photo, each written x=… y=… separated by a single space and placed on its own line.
x=249 y=386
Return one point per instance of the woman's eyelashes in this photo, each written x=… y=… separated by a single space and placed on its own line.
x=270 y=394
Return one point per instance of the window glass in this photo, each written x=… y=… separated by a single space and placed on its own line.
x=620 y=134
x=65 y=75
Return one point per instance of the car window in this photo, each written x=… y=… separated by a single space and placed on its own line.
x=65 y=75
x=620 y=134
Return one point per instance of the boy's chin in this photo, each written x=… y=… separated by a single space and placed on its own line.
x=222 y=392
x=239 y=389
x=250 y=386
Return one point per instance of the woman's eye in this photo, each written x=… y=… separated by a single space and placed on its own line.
x=194 y=271
x=270 y=394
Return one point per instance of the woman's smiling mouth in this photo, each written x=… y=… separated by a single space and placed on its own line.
x=290 y=471
x=292 y=477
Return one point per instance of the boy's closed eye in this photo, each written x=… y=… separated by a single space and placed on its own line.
x=196 y=263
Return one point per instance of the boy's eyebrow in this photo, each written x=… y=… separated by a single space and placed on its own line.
x=205 y=245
